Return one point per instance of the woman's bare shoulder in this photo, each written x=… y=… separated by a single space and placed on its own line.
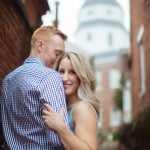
x=84 y=108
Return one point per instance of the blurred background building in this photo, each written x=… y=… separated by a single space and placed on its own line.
x=140 y=54
x=137 y=134
x=101 y=27
x=102 y=34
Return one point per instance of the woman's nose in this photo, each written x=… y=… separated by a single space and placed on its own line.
x=65 y=76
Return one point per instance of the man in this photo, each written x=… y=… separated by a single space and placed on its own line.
x=27 y=88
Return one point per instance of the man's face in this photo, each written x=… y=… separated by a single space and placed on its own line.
x=53 y=48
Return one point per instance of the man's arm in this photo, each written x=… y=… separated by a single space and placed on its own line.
x=2 y=140
x=52 y=92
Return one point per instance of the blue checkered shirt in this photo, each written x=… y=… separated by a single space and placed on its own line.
x=24 y=92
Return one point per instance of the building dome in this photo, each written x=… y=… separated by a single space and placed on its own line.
x=109 y=2
x=101 y=24
x=97 y=11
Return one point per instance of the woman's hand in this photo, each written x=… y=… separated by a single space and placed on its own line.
x=52 y=119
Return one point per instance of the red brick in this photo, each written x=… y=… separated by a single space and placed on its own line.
x=140 y=11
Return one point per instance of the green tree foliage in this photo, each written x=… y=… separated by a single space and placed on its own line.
x=122 y=80
x=118 y=95
x=118 y=98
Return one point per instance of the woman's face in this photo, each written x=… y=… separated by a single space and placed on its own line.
x=69 y=77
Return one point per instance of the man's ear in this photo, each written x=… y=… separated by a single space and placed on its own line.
x=39 y=45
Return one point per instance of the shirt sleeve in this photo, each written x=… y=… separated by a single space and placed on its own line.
x=52 y=92
x=2 y=96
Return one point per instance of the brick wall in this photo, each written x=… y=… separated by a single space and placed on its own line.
x=147 y=48
x=106 y=95
x=14 y=37
x=140 y=15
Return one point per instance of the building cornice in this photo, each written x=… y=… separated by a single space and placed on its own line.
x=98 y=22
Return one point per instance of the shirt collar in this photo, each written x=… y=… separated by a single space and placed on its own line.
x=34 y=60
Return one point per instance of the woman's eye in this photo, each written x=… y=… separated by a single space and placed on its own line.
x=61 y=71
x=72 y=72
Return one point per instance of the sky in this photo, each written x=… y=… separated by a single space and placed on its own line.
x=68 y=12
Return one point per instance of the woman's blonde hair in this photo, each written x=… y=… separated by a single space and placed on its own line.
x=82 y=68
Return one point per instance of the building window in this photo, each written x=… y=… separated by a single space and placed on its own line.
x=90 y=12
x=109 y=12
x=114 y=77
x=99 y=79
x=89 y=37
x=115 y=117
x=110 y=39
x=142 y=61
x=142 y=70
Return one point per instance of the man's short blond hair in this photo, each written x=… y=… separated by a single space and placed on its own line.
x=44 y=32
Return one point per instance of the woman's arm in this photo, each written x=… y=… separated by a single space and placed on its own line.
x=84 y=118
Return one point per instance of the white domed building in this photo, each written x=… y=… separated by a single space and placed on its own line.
x=101 y=27
x=102 y=34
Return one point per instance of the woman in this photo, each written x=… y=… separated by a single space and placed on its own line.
x=82 y=103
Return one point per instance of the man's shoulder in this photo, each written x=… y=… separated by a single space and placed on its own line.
x=10 y=74
x=50 y=71
x=51 y=74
